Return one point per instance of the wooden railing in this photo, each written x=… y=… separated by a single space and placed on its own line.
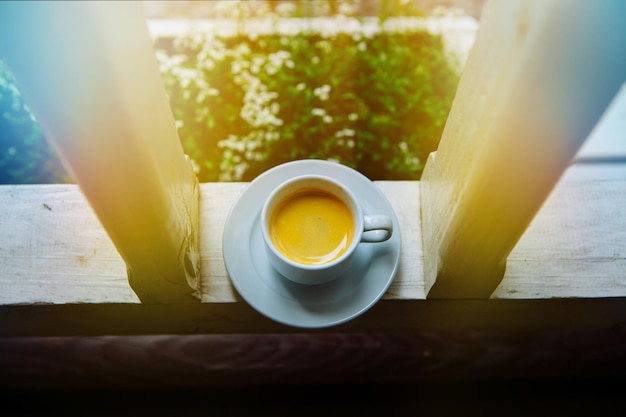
x=480 y=269
x=89 y=73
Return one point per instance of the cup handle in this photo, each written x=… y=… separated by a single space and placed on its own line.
x=376 y=228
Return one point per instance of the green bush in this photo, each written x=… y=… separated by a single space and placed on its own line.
x=377 y=103
x=25 y=156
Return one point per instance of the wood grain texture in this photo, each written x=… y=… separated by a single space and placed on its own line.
x=523 y=107
x=163 y=361
x=54 y=249
x=216 y=200
x=88 y=72
x=575 y=246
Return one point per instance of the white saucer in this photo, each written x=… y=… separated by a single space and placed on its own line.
x=308 y=306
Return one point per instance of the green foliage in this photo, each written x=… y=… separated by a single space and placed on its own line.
x=25 y=156
x=377 y=103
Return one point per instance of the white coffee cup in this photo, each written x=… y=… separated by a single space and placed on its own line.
x=312 y=226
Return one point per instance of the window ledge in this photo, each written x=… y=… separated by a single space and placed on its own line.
x=59 y=254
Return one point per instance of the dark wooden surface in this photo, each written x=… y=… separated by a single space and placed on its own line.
x=166 y=361
x=462 y=357
x=156 y=348
x=386 y=316
x=551 y=373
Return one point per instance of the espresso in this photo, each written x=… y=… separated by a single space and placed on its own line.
x=311 y=227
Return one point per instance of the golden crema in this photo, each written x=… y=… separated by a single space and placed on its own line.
x=311 y=227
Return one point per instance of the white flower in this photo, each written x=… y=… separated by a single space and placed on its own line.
x=322 y=92
x=272 y=136
x=243 y=49
x=324 y=45
x=318 y=112
x=345 y=132
x=285 y=9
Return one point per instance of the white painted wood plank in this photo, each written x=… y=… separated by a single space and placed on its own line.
x=575 y=246
x=54 y=250
x=216 y=200
x=404 y=197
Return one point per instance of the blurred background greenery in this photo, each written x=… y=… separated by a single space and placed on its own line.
x=25 y=155
x=350 y=87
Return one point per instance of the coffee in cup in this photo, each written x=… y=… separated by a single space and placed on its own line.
x=312 y=225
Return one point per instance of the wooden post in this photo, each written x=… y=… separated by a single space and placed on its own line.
x=88 y=71
x=537 y=80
